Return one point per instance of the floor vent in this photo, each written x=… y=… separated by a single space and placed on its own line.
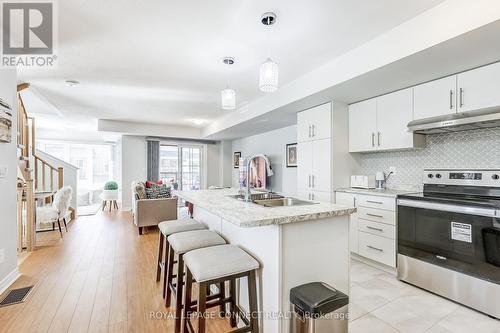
x=16 y=296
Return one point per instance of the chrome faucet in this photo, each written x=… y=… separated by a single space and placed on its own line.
x=248 y=195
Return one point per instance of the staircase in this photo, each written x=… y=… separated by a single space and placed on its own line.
x=36 y=177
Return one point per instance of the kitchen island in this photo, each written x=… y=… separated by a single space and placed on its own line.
x=294 y=245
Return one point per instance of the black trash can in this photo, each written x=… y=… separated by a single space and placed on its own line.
x=318 y=308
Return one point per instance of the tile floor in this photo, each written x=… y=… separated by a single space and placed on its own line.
x=382 y=303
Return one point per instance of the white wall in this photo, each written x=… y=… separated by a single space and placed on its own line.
x=8 y=216
x=134 y=165
x=273 y=145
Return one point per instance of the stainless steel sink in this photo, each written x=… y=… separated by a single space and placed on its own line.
x=258 y=196
x=281 y=202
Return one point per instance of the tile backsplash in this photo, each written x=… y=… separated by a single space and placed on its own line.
x=476 y=149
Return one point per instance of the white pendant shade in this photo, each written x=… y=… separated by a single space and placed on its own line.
x=268 y=79
x=228 y=97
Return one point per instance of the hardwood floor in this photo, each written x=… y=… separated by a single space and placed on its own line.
x=99 y=278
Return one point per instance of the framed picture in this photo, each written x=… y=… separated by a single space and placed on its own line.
x=5 y=122
x=236 y=159
x=291 y=155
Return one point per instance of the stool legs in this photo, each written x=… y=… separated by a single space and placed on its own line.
x=160 y=257
x=222 y=292
x=252 y=300
x=167 y=293
x=232 y=304
x=202 y=304
x=178 y=292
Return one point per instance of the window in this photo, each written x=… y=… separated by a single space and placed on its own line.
x=181 y=164
x=94 y=161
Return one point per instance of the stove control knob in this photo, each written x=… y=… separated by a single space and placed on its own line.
x=495 y=177
x=438 y=175
x=430 y=175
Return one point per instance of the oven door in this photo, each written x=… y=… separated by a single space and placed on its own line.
x=461 y=238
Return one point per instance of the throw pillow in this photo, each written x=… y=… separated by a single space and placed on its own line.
x=158 y=191
x=139 y=190
x=149 y=183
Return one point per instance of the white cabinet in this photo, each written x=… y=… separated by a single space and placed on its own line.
x=372 y=229
x=350 y=200
x=314 y=123
x=304 y=165
x=322 y=165
x=394 y=112
x=362 y=125
x=381 y=123
x=314 y=166
x=479 y=88
x=435 y=98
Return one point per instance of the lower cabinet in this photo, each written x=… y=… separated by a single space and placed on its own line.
x=372 y=229
x=315 y=195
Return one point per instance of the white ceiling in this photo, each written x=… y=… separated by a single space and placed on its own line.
x=161 y=61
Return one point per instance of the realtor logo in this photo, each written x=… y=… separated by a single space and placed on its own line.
x=28 y=33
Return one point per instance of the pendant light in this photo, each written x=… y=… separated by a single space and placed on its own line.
x=268 y=75
x=228 y=95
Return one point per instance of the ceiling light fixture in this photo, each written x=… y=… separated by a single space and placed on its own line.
x=72 y=83
x=268 y=75
x=228 y=95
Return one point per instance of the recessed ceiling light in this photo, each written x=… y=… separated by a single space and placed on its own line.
x=72 y=83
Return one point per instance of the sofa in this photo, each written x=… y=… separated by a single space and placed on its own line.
x=150 y=212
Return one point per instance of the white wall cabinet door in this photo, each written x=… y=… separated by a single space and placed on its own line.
x=350 y=200
x=321 y=121
x=322 y=164
x=304 y=165
x=362 y=125
x=479 y=88
x=435 y=98
x=304 y=126
x=394 y=112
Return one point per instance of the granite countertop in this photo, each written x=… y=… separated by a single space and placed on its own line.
x=248 y=214
x=383 y=193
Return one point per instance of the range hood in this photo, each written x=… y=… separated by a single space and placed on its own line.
x=456 y=122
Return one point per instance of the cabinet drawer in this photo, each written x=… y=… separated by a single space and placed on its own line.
x=377 y=202
x=377 y=215
x=376 y=228
x=377 y=248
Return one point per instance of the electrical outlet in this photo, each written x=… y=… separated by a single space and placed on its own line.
x=3 y=171
x=392 y=169
x=2 y=256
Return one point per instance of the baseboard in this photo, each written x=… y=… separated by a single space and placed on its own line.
x=9 y=280
x=374 y=264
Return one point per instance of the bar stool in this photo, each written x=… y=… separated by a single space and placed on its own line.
x=168 y=228
x=214 y=265
x=181 y=243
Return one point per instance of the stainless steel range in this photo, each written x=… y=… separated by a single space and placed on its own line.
x=449 y=237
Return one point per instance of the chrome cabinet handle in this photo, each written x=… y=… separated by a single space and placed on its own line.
x=461 y=97
x=374 y=248
x=373 y=139
x=378 y=138
x=309 y=180
x=314 y=130
x=312 y=196
x=312 y=181
x=374 y=215
x=354 y=201
x=373 y=228
x=309 y=131
x=451 y=99
x=375 y=202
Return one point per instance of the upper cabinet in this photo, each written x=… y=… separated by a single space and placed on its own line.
x=315 y=123
x=479 y=88
x=362 y=125
x=435 y=98
x=381 y=123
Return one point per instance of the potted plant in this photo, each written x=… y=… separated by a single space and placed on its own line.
x=110 y=192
